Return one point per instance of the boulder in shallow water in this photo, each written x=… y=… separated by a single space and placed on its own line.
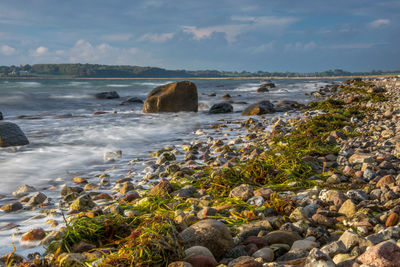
x=1 y=116
x=221 y=108
x=11 y=135
x=259 y=108
x=131 y=100
x=172 y=97
x=106 y=95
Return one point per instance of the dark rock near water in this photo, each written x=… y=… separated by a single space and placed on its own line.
x=288 y=104
x=172 y=97
x=131 y=100
x=1 y=116
x=11 y=135
x=106 y=95
x=259 y=108
x=221 y=108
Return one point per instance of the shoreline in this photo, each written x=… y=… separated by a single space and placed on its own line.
x=202 y=78
x=192 y=195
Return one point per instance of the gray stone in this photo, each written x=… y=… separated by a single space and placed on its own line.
x=318 y=258
x=266 y=254
x=351 y=239
x=257 y=201
x=37 y=199
x=23 y=190
x=243 y=192
x=221 y=108
x=259 y=108
x=106 y=95
x=11 y=135
x=282 y=237
x=198 y=251
x=209 y=233
x=334 y=248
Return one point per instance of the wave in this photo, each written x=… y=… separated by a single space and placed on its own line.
x=29 y=84
x=118 y=85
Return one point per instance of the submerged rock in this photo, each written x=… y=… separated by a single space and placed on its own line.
x=106 y=95
x=259 y=108
x=172 y=97
x=11 y=135
x=131 y=100
x=221 y=108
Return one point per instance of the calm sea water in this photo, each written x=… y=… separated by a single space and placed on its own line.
x=67 y=140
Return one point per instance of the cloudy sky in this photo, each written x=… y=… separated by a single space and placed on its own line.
x=235 y=35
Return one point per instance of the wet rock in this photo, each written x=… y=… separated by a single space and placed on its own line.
x=162 y=189
x=36 y=234
x=318 y=258
x=385 y=254
x=67 y=190
x=221 y=108
x=259 y=108
x=202 y=261
x=112 y=155
x=79 y=180
x=126 y=187
x=243 y=192
x=82 y=203
x=23 y=190
x=282 y=237
x=288 y=104
x=131 y=100
x=11 y=207
x=11 y=135
x=1 y=116
x=37 y=199
x=164 y=157
x=253 y=229
x=106 y=95
x=209 y=233
x=265 y=253
x=172 y=97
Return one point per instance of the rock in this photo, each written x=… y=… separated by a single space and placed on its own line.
x=23 y=190
x=172 y=97
x=304 y=244
x=386 y=180
x=348 y=208
x=359 y=158
x=243 y=192
x=259 y=108
x=253 y=228
x=131 y=196
x=82 y=203
x=386 y=234
x=318 y=258
x=82 y=247
x=180 y=264
x=385 y=254
x=126 y=187
x=238 y=251
x=256 y=200
x=221 y=108
x=262 y=90
x=1 y=116
x=288 y=104
x=202 y=261
x=165 y=157
x=244 y=261
x=334 y=248
x=392 y=219
x=131 y=100
x=206 y=212
x=36 y=234
x=268 y=85
x=106 y=95
x=198 y=251
x=259 y=241
x=11 y=207
x=112 y=155
x=11 y=135
x=265 y=253
x=162 y=189
x=71 y=259
x=351 y=239
x=208 y=233
x=37 y=199
x=79 y=180
x=282 y=237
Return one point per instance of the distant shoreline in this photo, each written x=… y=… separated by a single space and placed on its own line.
x=200 y=78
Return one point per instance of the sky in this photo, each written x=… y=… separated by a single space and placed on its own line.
x=231 y=35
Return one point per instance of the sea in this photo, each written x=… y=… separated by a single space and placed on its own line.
x=68 y=140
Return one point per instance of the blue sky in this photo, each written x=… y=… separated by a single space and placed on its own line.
x=233 y=35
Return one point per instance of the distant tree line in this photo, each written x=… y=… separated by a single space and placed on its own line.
x=123 y=71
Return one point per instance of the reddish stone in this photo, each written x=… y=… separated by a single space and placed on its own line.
x=385 y=254
x=264 y=192
x=103 y=196
x=36 y=234
x=202 y=261
x=248 y=263
x=131 y=196
x=251 y=248
x=392 y=219
x=162 y=189
x=385 y=180
x=259 y=241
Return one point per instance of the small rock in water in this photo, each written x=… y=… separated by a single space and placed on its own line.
x=106 y=95
x=36 y=234
x=112 y=155
x=14 y=206
x=37 y=199
x=23 y=190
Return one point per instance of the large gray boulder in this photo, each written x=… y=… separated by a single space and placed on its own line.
x=209 y=233
x=11 y=135
x=259 y=108
x=172 y=97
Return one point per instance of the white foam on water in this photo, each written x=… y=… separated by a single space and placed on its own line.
x=118 y=85
x=29 y=84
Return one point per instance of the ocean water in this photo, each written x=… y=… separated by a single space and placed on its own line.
x=68 y=140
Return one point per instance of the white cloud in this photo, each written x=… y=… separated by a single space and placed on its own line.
x=356 y=46
x=379 y=23
x=7 y=50
x=40 y=51
x=156 y=38
x=264 y=48
x=241 y=24
x=117 y=37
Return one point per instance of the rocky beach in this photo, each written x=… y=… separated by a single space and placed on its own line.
x=317 y=186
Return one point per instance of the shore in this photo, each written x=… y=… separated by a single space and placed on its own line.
x=319 y=188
